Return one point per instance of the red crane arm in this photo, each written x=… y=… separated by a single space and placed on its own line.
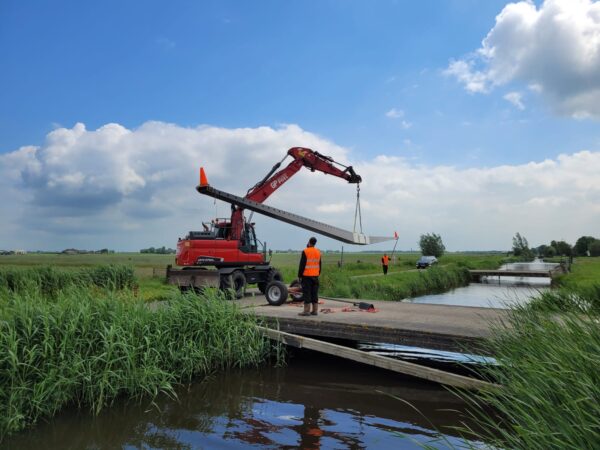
x=303 y=157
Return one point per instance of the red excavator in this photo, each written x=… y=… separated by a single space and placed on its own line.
x=231 y=246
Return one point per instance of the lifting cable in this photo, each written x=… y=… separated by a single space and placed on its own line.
x=357 y=213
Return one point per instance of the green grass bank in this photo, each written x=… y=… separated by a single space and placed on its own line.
x=403 y=279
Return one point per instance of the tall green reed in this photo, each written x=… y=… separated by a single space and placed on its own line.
x=585 y=299
x=548 y=365
x=87 y=347
x=49 y=280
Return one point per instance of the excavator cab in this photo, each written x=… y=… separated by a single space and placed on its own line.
x=248 y=242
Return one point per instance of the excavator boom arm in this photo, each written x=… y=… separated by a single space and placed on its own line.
x=302 y=157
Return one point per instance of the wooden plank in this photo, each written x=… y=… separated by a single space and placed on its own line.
x=378 y=333
x=404 y=367
x=511 y=273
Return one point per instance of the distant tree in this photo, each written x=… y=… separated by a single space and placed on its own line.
x=160 y=251
x=520 y=245
x=549 y=251
x=594 y=248
x=582 y=245
x=432 y=245
x=562 y=248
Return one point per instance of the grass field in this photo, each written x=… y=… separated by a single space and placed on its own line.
x=578 y=291
x=585 y=272
x=360 y=276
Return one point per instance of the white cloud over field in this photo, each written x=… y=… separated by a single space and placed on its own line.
x=127 y=189
x=554 y=50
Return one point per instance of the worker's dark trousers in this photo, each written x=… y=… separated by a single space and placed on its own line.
x=385 y=268
x=310 y=289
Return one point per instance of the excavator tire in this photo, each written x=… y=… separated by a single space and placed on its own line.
x=238 y=281
x=234 y=284
x=274 y=275
x=276 y=293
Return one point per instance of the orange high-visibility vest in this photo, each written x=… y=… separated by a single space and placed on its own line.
x=312 y=268
x=386 y=260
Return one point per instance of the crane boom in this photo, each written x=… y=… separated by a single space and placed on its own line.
x=294 y=219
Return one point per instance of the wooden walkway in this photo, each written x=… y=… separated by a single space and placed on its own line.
x=439 y=327
x=510 y=273
x=477 y=274
x=395 y=365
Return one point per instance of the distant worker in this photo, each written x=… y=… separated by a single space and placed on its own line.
x=308 y=272
x=385 y=261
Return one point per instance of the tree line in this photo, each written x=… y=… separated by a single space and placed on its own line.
x=431 y=244
x=160 y=251
x=584 y=246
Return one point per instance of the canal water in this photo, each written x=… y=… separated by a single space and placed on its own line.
x=310 y=404
x=495 y=292
x=315 y=402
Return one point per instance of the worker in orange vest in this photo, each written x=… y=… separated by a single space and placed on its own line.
x=385 y=261
x=308 y=272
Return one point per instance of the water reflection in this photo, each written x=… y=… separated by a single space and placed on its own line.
x=309 y=404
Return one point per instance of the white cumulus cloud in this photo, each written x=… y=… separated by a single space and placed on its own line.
x=554 y=49
x=132 y=188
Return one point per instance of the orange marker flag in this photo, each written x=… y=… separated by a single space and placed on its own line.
x=203 y=179
x=396 y=235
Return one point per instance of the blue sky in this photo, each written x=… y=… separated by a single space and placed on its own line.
x=370 y=78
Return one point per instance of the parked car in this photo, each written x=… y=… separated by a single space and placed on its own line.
x=426 y=261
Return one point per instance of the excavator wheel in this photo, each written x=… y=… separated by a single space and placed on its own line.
x=274 y=275
x=238 y=279
x=235 y=283
x=276 y=293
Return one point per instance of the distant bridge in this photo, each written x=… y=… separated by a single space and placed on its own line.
x=477 y=274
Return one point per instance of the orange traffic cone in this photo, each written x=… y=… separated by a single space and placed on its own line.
x=203 y=179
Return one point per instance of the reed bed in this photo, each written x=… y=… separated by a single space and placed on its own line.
x=85 y=348
x=584 y=299
x=337 y=283
x=49 y=281
x=549 y=370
